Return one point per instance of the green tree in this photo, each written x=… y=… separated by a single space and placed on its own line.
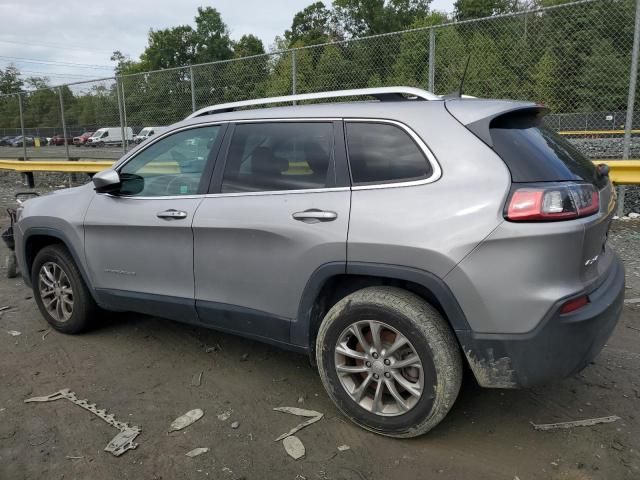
x=469 y=9
x=10 y=81
x=412 y=65
x=371 y=17
x=606 y=69
x=311 y=26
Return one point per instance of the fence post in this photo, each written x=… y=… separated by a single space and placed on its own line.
x=193 y=89
x=64 y=123
x=628 y=124
x=432 y=59
x=28 y=176
x=124 y=148
x=294 y=74
x=125 y=139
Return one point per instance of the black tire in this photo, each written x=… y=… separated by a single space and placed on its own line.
x=84 y=308
x=431 y=339
x=12 y=268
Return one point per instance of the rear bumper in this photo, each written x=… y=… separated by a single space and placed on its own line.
x=559 y=347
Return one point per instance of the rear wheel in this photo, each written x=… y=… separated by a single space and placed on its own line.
x=389 y=361
x=60 y=292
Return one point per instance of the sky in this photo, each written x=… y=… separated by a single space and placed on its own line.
x=80 y=35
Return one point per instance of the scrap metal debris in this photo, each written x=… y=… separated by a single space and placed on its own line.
x=14 y=333
x=301 y=412
x=185 y=420
x=44 y=335
x=197 y=451
x=344 y=448
x=122 y=442
x=294 y=447
x=235 y=425
x=6 y=307
x=576 y=423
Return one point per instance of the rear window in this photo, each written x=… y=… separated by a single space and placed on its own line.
x=535 y=153
x=384 y=153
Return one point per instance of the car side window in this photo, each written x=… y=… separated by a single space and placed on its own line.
x=172 y=166
x=279 y=156
x=384 y=153
x=105 y=134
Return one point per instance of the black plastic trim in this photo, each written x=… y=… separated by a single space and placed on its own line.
x=561 y=345
x=300 y=329
x=243 y=321
x=164 y=306
x=58 y=234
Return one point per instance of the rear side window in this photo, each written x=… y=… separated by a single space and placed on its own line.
x=384 y=153
x=279 y=156
x=535 y=153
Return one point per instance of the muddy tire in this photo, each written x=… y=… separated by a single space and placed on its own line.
x=389 y=361
x=60 y=292
x=12 y=268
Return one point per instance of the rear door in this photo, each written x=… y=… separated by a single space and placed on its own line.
x=279 y=209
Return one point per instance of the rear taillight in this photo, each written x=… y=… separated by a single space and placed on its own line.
x=557 y=201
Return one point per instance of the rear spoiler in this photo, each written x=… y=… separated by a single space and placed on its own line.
x=477 y=115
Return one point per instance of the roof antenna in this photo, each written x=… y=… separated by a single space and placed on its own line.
x=464 y=76
x=458 y=93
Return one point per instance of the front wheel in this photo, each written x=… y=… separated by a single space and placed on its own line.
x=60 y=292
x=389 y=361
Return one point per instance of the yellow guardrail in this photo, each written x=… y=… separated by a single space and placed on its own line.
x=622 y=172
x=55 y=166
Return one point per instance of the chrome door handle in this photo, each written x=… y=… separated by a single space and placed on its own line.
x=314 y=215
x=172 y=214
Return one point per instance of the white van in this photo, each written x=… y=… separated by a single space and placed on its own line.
x=147 y=132
x=109 y=136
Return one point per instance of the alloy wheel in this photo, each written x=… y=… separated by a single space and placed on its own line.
x=56 y=292
x=379 y=368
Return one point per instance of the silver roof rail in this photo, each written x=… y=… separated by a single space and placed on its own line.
x=381 y=93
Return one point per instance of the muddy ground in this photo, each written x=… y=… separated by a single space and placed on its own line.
x=141 y=369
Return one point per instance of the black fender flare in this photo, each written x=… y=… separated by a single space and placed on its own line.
x=60 y=235
x=301 y=333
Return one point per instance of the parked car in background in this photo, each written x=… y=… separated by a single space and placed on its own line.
x=6 y=140
x=17 y=141
x=109 y=136
x=59 y=140
x=147 y=132
x=82 y=139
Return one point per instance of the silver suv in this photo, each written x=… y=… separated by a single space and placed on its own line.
x=394 y=241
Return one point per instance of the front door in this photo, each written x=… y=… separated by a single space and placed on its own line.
x=280 y=210
x=139 y=243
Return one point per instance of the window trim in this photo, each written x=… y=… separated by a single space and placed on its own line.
x=338 y=156
x=436 y=171
x=207 y=172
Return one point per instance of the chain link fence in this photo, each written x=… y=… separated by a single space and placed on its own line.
x=575 y=58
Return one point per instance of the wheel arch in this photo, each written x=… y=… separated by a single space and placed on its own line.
x=333 y=281
x=37 y=238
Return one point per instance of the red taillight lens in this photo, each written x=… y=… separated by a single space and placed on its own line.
x=574 y=304
x=555 y=202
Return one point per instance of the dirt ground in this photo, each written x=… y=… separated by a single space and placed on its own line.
x=141 y=369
